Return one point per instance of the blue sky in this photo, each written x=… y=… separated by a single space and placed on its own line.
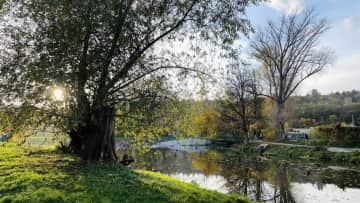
x=343 y=39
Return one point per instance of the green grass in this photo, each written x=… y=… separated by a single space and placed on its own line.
x=317 y=154
x=46 y=140
x=45 y=175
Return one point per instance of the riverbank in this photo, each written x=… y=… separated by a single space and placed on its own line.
x=314 y=154
x=46 y=175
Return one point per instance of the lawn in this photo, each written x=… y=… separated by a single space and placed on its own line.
x=34 y=174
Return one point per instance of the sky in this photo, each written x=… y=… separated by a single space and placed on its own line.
x=343 y=39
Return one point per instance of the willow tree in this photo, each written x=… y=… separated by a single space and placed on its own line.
x=101 y=53
x=289 y=52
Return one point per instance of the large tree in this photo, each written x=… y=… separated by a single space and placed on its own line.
x=289 y=52
x=101 y=53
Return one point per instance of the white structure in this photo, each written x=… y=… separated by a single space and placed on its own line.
x=302 y=130
x=352 y=121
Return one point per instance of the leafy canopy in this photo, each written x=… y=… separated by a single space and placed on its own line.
x=103 y=52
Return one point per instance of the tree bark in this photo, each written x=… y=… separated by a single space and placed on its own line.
x=280 y=120
x=94 y=140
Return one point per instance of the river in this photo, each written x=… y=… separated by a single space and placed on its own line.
x=261 y=179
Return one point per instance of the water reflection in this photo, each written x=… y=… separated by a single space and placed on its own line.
x=212 y=182
x=262 y=180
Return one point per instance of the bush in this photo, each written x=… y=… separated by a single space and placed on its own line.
x=340 y=157
x=355 y=158
x=324 y=156
x=269 y=134
x=336 y=136
x=318 y=142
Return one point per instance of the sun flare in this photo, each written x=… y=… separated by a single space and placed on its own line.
x=58 y=94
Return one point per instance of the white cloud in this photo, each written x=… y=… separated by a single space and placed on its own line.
x=342 y=75
x=287 y=7
x=350 y=24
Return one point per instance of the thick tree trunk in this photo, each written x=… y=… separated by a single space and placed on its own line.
x=94 y=140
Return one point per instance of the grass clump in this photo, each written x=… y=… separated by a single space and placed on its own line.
x=44 y=175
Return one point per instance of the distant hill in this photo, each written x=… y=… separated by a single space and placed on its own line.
x=340 y=106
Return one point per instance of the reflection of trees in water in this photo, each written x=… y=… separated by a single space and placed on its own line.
x=245 y=176
x=207 y=162
x=248 y=176
x=341 y=178
x=163 y=160
x=282 y=185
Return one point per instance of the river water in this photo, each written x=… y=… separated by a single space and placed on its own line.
x=261 y=179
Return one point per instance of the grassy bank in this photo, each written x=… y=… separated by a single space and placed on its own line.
x=317 y=154
x=45 y=175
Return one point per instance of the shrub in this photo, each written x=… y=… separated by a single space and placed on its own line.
x=269 y=134
x=336 y=136
x=340 y=157
x=355 y=158
x=318 y=142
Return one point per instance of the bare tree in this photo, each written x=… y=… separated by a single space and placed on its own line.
x=289 y=53
x=241 y=103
